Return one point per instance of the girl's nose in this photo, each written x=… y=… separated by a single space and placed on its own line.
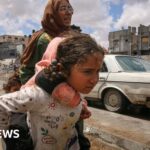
x=94 y=79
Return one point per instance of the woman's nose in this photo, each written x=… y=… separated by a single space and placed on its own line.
x=69 y=10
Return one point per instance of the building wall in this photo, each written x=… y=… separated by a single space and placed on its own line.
x=144 y=39
x=13 y=39
x=7 y=50
x=127 y=41
x=120 y=41
x=9 y=45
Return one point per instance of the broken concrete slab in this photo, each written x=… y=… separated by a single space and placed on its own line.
x=123 y=131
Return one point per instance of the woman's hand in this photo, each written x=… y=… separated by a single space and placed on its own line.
x=66 y=95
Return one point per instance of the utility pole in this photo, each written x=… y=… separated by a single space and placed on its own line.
x=139 y=41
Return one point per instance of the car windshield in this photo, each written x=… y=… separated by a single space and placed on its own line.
x=129 y=63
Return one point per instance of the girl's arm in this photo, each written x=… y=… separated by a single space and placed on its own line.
x=20 y=101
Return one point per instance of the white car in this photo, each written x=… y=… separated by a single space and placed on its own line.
x=123 y=80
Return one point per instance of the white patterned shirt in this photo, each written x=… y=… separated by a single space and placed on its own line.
x=52 y=125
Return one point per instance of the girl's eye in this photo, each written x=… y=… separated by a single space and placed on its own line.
x=88 y=72
x=91 y=73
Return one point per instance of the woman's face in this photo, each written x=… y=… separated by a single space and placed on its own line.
x=65 y=12
x=83 y=77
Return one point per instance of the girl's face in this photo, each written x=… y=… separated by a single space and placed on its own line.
x=83 y=77
x=65 y=12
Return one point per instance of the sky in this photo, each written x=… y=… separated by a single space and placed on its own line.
x=95 y=17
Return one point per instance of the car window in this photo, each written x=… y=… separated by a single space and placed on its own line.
x=133 y=64
x=104 y=68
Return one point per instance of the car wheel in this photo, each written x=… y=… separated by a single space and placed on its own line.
x=114 y=101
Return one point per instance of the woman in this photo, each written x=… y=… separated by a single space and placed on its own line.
x=56 y=19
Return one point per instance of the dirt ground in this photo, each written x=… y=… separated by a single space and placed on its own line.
x=98 y=144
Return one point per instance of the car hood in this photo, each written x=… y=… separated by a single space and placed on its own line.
x=139 y=77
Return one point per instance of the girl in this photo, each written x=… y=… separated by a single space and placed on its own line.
x=51 y=118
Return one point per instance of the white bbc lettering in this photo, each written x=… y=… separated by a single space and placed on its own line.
x=9 y=133
x=16 y=134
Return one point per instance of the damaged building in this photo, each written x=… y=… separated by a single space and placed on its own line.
x=132 y=41
x=10 y=44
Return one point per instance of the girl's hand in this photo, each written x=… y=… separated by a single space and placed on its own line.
x=85 y=113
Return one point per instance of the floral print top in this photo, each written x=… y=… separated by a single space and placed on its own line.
x=52 y=125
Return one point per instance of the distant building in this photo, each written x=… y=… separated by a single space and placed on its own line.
x=144 y=39
x=128 y=41
x=9 y=45
x=13 y=39
x=7 y=50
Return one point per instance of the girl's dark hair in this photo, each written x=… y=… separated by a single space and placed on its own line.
x=13 y=82
x=75 y=49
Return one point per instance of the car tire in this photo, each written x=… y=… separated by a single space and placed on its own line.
x=114 y=101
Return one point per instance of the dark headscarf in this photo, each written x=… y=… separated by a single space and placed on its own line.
x=51 y=24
